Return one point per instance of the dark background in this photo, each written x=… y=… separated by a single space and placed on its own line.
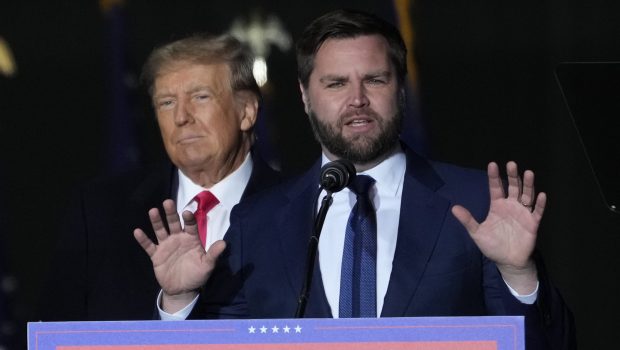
x=486 y=92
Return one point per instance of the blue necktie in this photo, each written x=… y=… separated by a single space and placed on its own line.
x=358 y=286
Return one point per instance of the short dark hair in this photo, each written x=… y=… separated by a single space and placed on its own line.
x=205 y=49
x=343 y=24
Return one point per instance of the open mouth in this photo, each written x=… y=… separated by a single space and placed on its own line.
x=359 y=118
x=358 y=122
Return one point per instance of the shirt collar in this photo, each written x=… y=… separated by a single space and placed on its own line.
x=228 y=190
x=388 y=174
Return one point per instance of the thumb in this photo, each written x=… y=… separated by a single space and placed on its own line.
x=465 y=218
x=215 y=251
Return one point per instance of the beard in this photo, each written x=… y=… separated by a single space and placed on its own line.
x=360 y=148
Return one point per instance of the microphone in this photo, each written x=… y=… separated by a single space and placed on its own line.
x=337 y=175
x=334 y=177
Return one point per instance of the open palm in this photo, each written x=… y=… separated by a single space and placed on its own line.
x=179 y=260
x=508 y=234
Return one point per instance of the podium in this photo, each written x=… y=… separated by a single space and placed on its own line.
x=411 y=333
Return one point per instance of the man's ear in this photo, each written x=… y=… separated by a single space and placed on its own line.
x=304 y=97
x=249 y=109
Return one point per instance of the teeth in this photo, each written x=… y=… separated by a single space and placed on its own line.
x=359 y=122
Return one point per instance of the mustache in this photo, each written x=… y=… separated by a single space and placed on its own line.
x=365 y=111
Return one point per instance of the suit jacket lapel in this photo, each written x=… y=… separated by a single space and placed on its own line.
x=421 y=217
x=157 y=184
x=160 y=184
x=295 y=223
x=263 y=176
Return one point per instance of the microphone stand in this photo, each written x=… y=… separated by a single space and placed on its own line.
x=313 y=245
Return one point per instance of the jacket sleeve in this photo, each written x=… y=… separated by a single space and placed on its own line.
x=549 y=324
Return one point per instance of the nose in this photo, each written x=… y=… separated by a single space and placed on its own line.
x=184 y=113
x=359 y=96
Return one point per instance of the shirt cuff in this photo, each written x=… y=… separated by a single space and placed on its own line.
x=525 y=299
x=177 y=316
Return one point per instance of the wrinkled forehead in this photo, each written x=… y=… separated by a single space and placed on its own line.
x=201 y=71
x=368 y=52
x=218 y=65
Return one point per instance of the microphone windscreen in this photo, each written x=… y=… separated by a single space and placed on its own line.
x=337 y=175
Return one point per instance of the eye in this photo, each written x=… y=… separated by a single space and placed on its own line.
x=335 y=84
x=376 y=81
x=165 y=103
x=200 y=97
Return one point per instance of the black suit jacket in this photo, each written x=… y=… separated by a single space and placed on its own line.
x=99 y=271
x=437 y=269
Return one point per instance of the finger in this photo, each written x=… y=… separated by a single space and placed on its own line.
x=527 y=195
x=144 y=241
x=191 y=225
x=514 y=181
x=496 y=189
x=172 y=217
x=465 y=218
x=215 y=251
x=158 y=225
x=539 y=207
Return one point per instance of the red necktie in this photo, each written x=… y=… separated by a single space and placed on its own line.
x=206 y=201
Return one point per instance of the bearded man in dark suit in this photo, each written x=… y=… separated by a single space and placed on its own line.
x=438 y=239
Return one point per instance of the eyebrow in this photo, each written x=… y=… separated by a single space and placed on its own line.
x=190 y=91
x=199 y=88
x=341 y=78
x=332 y=78
x=162 y=95
x=386 y=74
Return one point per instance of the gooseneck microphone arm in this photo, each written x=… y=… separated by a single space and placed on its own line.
x=335 y=176
x=313 y=245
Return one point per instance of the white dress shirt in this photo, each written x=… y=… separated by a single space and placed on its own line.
x=385 y=195
x=228 y=191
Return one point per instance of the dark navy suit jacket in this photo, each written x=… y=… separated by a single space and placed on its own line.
x=437 y=269
x=99 y=271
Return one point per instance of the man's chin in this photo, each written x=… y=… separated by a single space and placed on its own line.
x=191 y=161
x=357 y=154
x=364 y=150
